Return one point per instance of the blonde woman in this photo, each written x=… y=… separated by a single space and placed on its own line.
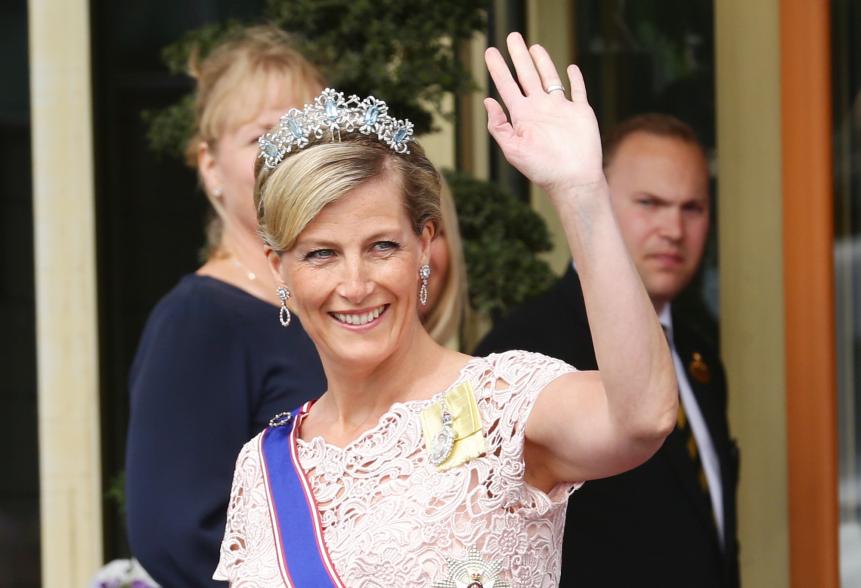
x=420 y=466
x=213 y=363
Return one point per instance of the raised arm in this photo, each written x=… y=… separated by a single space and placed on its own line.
x=589 y=424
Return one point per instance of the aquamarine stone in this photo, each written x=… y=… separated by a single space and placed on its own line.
x=331 y=109
x=295 y=127
x=400 y=135
x=270 y=150
x=372 y=114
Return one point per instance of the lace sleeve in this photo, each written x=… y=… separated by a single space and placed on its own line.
x=519 y=378
x=234 y=545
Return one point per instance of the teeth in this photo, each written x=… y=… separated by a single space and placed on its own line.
x=359 y=319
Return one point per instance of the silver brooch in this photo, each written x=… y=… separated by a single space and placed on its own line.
x=473 y=572
x=280 y=419
x=443 y=442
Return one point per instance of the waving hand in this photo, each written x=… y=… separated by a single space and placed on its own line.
x=552 y=140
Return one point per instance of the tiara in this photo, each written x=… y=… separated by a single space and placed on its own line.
x=331 y=112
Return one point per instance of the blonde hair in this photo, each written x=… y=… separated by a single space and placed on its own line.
x=447 y=313
x=289 y=196
x=247 y=59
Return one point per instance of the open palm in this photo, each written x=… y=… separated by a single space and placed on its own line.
x=553 y=141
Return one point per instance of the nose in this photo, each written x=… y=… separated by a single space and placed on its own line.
x=355 y=285
x=672 y=225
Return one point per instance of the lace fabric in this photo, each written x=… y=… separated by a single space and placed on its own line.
x=391 y=519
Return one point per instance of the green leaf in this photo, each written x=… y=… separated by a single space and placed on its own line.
x=501 y=236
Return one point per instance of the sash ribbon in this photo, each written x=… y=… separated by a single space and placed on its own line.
x=303 y=558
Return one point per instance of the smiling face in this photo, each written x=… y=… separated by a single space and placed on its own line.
x=353 y=274
x=659 y=191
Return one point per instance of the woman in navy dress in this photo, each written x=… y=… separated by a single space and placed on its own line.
x=213 y=364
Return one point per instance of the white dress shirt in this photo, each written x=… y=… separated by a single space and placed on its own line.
x=705 y=446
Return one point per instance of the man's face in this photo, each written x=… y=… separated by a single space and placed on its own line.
x=659 y=192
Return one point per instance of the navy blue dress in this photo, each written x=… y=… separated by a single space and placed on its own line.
x=212 y=367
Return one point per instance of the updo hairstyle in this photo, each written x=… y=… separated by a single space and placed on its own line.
x=289 y=196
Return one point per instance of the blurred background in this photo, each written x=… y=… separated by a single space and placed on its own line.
x=97 y=224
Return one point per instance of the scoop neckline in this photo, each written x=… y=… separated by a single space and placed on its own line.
x=219 y=283
x=410 y=405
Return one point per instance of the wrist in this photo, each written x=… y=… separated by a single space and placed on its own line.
x=580 y=198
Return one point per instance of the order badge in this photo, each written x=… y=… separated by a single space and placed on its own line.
x=452 y=428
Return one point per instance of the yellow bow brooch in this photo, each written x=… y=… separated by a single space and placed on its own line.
x=452 y=428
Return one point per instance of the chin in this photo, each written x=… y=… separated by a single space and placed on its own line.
x=365 y=354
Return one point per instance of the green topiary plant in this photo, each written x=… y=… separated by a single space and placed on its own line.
x=502 y=236
x=386 y=48
x=405 y=52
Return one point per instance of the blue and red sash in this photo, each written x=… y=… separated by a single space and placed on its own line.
x=303 y=558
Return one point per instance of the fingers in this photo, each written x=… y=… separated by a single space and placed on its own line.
x=546 y=68
x=523 y=65
x=578 y=86
x=535 y=70
x=501 y=76
x=497 y=122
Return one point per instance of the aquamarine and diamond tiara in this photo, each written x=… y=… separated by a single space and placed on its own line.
x=331 y=112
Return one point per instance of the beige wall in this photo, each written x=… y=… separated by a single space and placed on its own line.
x=439 y=145
x=64 y=228
x=750 y=246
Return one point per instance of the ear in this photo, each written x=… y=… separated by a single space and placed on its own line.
x=275 y=264
x=207 y=165
x=425 y=239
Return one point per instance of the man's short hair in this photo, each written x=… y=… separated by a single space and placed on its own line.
x=653 y=123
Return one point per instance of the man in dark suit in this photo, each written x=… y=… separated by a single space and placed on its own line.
x=672 y=521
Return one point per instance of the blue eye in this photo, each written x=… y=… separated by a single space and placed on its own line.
x=319 y=254
x=386 y=246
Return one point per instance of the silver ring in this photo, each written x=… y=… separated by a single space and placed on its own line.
x=555 y=88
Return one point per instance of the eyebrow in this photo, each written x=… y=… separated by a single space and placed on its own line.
x=315 y=242
x=663 y=201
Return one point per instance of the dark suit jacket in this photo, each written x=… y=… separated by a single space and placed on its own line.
x=651 y=526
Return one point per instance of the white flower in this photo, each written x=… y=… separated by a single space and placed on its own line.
x=122 y=573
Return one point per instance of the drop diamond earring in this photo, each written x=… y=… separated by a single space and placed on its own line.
x=424 y=274
x=284 y=312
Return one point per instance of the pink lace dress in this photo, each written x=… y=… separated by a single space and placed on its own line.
x=391 y=519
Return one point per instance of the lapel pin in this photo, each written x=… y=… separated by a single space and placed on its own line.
x=698 y=369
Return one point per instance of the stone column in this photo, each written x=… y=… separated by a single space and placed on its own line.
x=65 y=274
